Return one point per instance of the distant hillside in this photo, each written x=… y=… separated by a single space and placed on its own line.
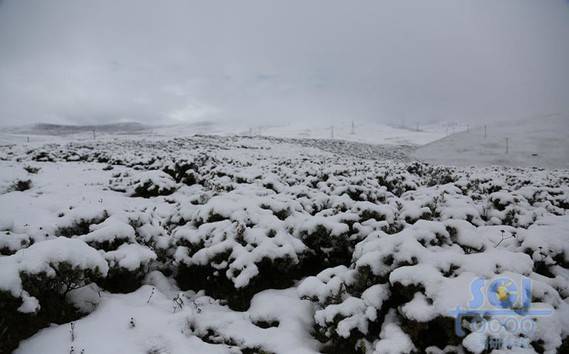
x=541 y=142
x=61 y=129
x=361 y=132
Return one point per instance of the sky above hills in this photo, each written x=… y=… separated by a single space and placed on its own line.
x=268 y=62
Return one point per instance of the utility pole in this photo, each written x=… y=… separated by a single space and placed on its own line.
x=94 y=135
x=28 y=139
x=353 y=128
x=485 y=135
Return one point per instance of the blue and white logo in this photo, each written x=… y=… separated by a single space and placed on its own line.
x=505 y=301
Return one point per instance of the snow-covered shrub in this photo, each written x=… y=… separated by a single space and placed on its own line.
x=42 y=155
x=547 y=243
x=343 y=319
x=233 y=261
x=508 y=208
x=78 y=221
x=128 y=265
x=152 y=184
x=35 y=282
x=21 y=185
x=110 y=234
x=234 y=246
x=327 y=239
x=187 y=171
x=153 y=231
x=51 y=269
x=392 y=339
x=32 y=169
x=144 y=184
x=11 y=242
x=397 y=182
x=423 y=272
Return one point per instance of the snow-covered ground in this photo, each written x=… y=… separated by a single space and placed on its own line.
x=218 y=244
x=541 y=142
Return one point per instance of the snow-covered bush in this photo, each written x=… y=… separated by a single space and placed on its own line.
x=128 y=265
x=397 y=182
x=327 y=239
x=78 y=221
x=188 y=171
x=21 y=185
x=35 y=282
x=144 y=184
x=233 y=259
x=423 y=272
x=11 y=242
x=110 y=234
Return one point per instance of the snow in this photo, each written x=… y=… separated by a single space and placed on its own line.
x=130 y=256
x=364 y=243
x=363 y=132
x=475 y=342
x=110 y=230
x=45 y=257
x=392 y=338
x=535 y=142
x=549 y=237
x=40 y=257
x=108 y=329
x=354 y=313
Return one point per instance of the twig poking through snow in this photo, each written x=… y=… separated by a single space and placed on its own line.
x=151 y=294
x=178 y=303
x=72 y=332
x=504 y=238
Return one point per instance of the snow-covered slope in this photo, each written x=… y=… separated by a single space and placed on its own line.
x=62 y=129
x=542 y=142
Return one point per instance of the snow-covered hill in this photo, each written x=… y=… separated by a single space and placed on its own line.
x=542 y=142
x=62 y=129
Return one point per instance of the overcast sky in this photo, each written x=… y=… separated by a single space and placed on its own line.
x=75 y=61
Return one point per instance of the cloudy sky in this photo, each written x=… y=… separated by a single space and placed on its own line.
x=269 y=61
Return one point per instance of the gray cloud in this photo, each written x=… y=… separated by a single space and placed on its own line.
x=78 y=61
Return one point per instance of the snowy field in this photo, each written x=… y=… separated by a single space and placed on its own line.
x=215 y=244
